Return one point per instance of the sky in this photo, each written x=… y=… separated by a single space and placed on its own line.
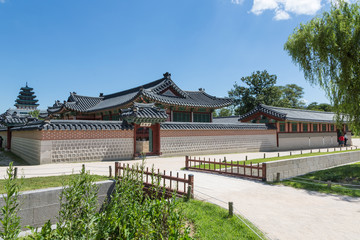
x=93 y=46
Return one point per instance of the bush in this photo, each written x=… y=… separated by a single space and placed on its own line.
x=128 y=214
x=9 y=219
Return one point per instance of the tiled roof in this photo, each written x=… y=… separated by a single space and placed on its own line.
x=10 y=120
x=213 y=126
x=141 y=112
x=292 y=114
x=75 y=125
x=230 y=119
x=153 y=91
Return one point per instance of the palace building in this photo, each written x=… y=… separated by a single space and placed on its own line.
x=159 y=118
x=297 y=128
x=179 y=105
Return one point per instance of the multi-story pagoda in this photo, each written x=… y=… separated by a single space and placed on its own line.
x=179 y=105
x=26 y=99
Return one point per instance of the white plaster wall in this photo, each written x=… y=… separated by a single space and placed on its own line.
x=300 y=166
x=292 y=141
x=27 y=149
x=217 y=144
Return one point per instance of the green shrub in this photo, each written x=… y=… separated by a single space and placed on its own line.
x=9 y=219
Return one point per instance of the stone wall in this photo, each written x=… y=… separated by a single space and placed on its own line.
x=294 y=141
x=39 y=206
x=216 y=141
x=300 y=166
x=91 y=149
x=44 y=147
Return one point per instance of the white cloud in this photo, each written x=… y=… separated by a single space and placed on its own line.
x=283 y=8
x=237 y=1
x=281 y=15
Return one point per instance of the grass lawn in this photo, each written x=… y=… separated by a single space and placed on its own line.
x=212 y=222
x=45 y=182
x=349 y=174
x=261 y=160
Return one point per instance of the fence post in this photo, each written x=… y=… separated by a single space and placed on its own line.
x=83 y=167
x=188 y=194
x=263 y=172
x=328 y=184
x=278 y=154
x=231 y=209
x=290 y=153
x=15 y=172
x=264 y=155
x=191 y=183
x=116 y=169
x=110 y=172
x=246 y=158
x=186 y=162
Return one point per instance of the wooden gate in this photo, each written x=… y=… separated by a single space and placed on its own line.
x=247 y=170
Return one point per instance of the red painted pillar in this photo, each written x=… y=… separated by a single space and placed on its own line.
x=135 y=128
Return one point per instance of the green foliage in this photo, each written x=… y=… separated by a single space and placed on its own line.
x=327 y=49
x=35 y=113
x=212 y=222
x=32 y=183
x=132 y=215
x=78 y=211
x=78 y=205
x=345 y=174
x=291 y=95
x=223 y=112
x=320 y=107
x=9 y=219
x=129 y=214
x=261 y=89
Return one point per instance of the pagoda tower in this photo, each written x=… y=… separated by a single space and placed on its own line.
x=26 y=99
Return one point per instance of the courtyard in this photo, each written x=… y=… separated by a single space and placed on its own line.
x=280 y=212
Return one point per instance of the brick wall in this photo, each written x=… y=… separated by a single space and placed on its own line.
x=216 y=141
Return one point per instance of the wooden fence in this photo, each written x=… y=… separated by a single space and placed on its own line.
x=248 y=170
x=168 y=182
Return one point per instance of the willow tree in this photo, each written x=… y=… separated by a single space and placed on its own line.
x=327 y=49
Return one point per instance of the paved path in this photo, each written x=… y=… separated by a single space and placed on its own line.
x=280 y=212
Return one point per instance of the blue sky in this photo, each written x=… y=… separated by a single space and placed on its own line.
x=93 y=46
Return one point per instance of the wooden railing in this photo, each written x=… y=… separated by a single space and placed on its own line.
x=248 y=170
x=182 y=186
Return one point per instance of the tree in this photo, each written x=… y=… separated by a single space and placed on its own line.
x=223 y=112
x=291 y=96
x=35 y=113
x=327 y=49
x=319 y=107
x=261 y=89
